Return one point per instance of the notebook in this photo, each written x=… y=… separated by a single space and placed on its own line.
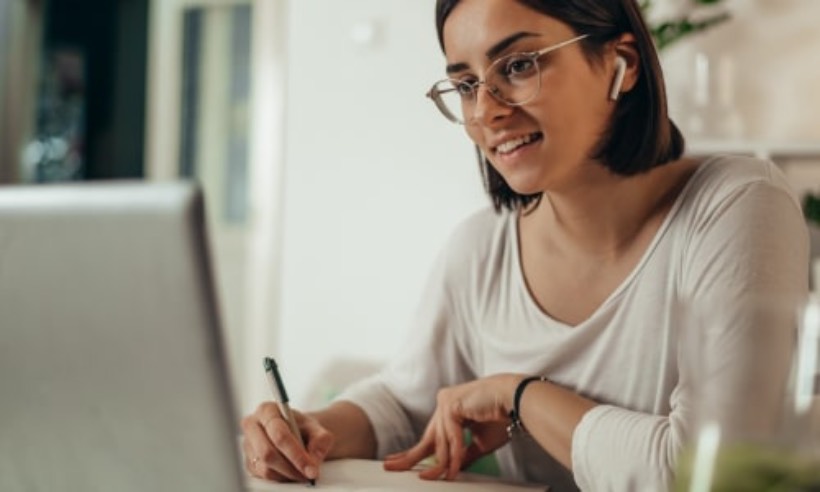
x=112 y=371
x=369 y=476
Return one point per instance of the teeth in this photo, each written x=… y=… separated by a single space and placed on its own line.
x=511 y=145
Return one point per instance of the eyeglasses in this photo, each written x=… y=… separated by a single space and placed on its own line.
x=513 y=79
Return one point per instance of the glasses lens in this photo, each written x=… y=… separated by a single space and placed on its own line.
x=515 y=78
x=450 y=97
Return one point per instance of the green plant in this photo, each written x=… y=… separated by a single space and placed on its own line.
x=811 y=208
x=670 y=31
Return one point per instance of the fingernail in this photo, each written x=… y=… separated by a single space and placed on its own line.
x=311 y=471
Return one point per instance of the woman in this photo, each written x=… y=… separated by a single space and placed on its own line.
x=558 y=312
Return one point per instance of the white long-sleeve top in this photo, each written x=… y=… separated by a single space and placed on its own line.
x=733 y=250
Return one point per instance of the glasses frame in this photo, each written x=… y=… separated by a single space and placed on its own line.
x=435 y=94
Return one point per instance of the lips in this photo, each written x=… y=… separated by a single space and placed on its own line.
x=511 y=145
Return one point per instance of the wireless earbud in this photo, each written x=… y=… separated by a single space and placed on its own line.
x=620 y=69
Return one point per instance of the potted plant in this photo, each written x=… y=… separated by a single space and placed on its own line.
x=669 y=31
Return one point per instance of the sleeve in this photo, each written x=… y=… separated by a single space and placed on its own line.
x=401 y=398
x=743 y=274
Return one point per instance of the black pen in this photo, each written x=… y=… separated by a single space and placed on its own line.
x=281 y=396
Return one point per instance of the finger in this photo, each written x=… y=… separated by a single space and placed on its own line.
x=454 y=435
x=256 y=466
x=266 y=460
x=395 y=456
x=409 y=458
x=442 y=453
x=258 y=448
x=319 y=440
x=297 y=463
x=251 y=427
x=266 y=411
x=434 y=472
x=272 y=458
x=250 y=456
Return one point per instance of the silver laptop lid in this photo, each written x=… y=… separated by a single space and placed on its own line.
x=112 y=370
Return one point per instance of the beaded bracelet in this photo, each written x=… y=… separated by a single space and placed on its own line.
x=515 y=413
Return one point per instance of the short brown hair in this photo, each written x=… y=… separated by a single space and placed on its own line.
x=640 y=135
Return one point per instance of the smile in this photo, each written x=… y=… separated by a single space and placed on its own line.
x=514 y=144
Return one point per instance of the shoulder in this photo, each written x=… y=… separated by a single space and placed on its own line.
x=736 y=186
x=741 y=234
x=479 y=232
x=742 y=207
x=478 y=241
x=724 y=177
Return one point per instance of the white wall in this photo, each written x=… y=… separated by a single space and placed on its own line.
x=375 y=179
x=775 y=48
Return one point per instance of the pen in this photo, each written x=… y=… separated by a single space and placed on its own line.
x=281 y=396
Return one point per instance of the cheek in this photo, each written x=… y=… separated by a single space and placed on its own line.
x=571 y=111
x=474 y=133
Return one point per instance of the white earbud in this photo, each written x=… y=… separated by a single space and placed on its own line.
x=620 y=69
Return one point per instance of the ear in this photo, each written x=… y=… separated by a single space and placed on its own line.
x=625 y=65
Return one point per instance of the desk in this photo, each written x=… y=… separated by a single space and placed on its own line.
x=369 y=476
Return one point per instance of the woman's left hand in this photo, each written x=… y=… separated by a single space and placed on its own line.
x=480 y=406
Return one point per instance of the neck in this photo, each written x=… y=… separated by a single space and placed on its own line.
x=605 y=214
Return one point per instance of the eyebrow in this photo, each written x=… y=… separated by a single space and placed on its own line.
x=494 y=50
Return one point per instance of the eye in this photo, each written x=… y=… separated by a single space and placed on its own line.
x=519 y=66
x=465 y=87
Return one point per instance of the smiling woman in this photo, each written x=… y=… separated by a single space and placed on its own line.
x=623 y=144
x=558 y=310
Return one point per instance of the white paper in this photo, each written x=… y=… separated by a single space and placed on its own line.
x=369 y=476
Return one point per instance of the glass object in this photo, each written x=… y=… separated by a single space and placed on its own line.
x=806 y=389
x=713 y=109
x=514 y=79
x=753 y=381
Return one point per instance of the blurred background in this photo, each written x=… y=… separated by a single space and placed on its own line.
x=331 y=181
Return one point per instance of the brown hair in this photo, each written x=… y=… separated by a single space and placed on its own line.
x=640 y=135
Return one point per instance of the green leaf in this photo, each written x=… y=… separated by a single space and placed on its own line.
x=672 y=31
x=811 y=207
x=668 y=32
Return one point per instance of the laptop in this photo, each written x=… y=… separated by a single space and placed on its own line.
x=113 y=374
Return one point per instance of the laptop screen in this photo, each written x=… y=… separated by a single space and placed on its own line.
x=112 y=368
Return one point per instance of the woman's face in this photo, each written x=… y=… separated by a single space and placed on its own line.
x=543 y=144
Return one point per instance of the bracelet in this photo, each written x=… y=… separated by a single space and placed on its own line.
x=515 y=414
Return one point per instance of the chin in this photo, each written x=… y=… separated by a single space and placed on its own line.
x=528 y=191
x=523 y=185
x=524 y=178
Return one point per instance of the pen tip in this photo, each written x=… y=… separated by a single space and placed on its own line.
x=312 y=482
x=269 y=364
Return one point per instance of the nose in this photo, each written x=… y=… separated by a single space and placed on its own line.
x=488 y=106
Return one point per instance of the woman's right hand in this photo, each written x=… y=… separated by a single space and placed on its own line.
x=272 y=452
